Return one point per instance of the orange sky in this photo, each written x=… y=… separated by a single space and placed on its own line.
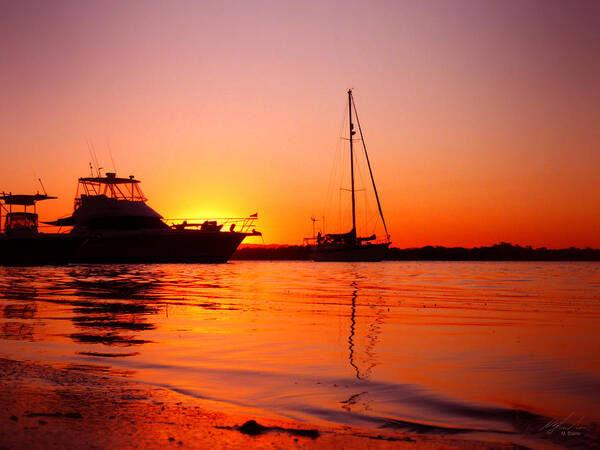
x=482 y=118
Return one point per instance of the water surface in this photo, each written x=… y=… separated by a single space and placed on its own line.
x=450 y=347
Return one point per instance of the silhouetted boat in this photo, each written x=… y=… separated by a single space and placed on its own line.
x=118 y=226
x=348 y=246
x=21 y=243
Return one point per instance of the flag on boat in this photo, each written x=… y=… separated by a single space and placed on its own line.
x=255 y=215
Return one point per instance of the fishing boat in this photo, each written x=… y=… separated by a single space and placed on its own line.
x=21 y=242
x=118 y=226
x=349 y=246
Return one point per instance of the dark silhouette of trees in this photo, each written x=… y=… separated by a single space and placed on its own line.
x=499 y=252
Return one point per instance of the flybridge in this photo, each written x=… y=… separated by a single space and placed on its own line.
x=20 y=220
x=110 y=186
x=23 y=199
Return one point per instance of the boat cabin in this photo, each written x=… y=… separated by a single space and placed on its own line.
x=110 y=202
x=24 y=221
x=109 y=186
x=21 y=221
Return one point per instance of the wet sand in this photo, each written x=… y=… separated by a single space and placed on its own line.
x=48 y=407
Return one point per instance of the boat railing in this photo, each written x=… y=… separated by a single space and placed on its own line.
x=381 y=241
x=239 y=224
x=55 y=229
x=308 y=241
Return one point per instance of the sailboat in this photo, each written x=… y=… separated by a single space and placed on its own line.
x=349 y=246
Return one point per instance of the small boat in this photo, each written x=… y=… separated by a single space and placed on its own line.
x=21 y=242
x=349 y=246
x=111 y=214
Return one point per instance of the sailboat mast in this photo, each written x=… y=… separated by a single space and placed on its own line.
x=352 y=132
x=362 y=138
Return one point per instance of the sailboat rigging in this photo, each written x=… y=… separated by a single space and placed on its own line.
x=349 y=246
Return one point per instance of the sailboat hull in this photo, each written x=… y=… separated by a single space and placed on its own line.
x=367 y=253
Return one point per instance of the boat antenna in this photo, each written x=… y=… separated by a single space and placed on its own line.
x=94 y=162
x=111 y=158
x=42 y=184
x=369 y=165
x=313 y=221
x=34 y=174
x=352 y=133
x=98 y=168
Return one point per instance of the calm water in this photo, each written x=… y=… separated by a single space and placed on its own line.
x=458 y=345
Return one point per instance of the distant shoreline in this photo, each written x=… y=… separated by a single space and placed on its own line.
x=498 y=252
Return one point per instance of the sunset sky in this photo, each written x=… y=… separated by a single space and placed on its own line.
x=482 y=118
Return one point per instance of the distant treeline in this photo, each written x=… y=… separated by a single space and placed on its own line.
x=498 y=252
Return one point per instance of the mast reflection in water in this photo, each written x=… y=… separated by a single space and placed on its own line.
x=406 y=345
x=373 y=320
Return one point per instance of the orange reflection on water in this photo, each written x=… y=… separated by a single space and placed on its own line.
x=454 y=344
